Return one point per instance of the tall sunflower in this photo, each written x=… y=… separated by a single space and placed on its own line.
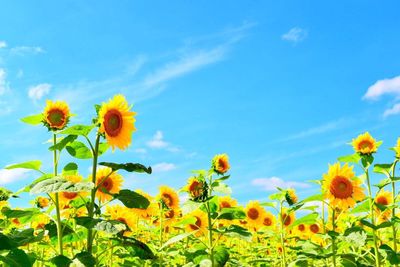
x=341 y=186
x=365 y=144
x=197 y=188
x=255 y=214
x=108 y=182
x=56 y=115
x=220 y=163
x=117 y=122
x=169 y=197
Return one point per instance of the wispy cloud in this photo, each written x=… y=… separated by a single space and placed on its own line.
x=163 y=167
x=11 y=176
x=392 y=111
x=295 y=35
x=3 y=44
x=383 y=87
x=25 y=50
x=4 y=86
x=271 y=183
x=158 y=142
x=38 y=91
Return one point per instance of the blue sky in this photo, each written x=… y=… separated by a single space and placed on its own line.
x=280 y=86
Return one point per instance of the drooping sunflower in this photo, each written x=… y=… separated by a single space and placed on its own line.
x=108 y=182
x=269 y=219
x=201 y=223
x=341 y=186
x=291 y=197
x=117 y=122
x=254 y=213
x=288 y=218
x=220 y=163
x=226 y=202
x=169 y=197
x=42 y=202
x=122 y=214
x=197 y=188
x=56 y=115
x=365 y=144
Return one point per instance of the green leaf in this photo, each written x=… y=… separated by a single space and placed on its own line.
x=30 y=165
x=222 y=188
x=86 y=259
x=79 y=150
x=16 y=258
x=383 y=168
x=367 y=160
x=33 y=119
x=83 y=130
x=268 y=204
x=63 y=142
x=232 y=214
x=61 y=261
x=51 y=227
x=362 y=207
x=87 y=222
x=137 y=248
x=29 y=187
x=129 y=167
x=368 y=224
x=70 y=169
x=175 y=239
x=103 y=147
x=223 y=178
x=383 y=183
x=131 y=199
x=24 y=237
x=236 y=231
x=308 y=219
x=392 y=256
x=318 y=197
x=6 y=243
x=59 y=184
x=9 y=213
x=190 y=206
x=353 y=158
x=221 y=256
x=110 y=227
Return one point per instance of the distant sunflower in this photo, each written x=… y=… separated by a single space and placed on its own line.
x=169 y=197
x=314 y=228
x=107 y=183
x=288 y=218
x=200 y=224
x=254 y=213
x=291 y=197
x=220 y=163
x=341 y=186
x=301 y=231
x=365 y=144
x=42 y=202
x=171 y=216
x=226 y=202
x=122 y=214
x=117 y=122
x=197 y=188
x=56 y=115
x=269 y=220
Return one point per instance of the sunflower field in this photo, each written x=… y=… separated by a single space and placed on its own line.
x=95 y=221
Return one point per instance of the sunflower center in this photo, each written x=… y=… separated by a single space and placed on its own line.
x=197 y=224
x=69 y=195
x=267 y=221
x=106 y=185
x=287 y=220
x=382 y=200
x=170 y=214
x=253 y=213
x=301 y=227
x=341 y=187
x=365 y=144
x=167 y=199
x=225 y=204
x=222 y=164
x=113 y=122
x=196 y=188
x=56 y=117
x=314 y=228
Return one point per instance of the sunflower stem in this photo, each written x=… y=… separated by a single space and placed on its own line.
x=333 y=239
x=161 y=234
x=394 y=207
x=57 y=202
x=377 y=258
x=282 y=235
x=93 y=194
x=210 y=225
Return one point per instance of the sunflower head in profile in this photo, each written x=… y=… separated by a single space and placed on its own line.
x=226 y=202
x=254 y=214
x=107 y=183
x=341 y=187
x=365 y=144
x=288 y=218
x=168 y=197
x=220 y=163
x=56 y=115
x=117 y=122
x=291 y=197
x=197 y=189
x=200 y=222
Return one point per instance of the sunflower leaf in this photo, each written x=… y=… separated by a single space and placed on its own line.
x=79 y=150
x=63 y=142
x=175 y=239
x=308 y=219
x=83 y=130
x=353 y=158
x=131 y=199
x=110 y=227
x=232 y=213
x=33 y=119
x=59 y=184
x=129 y=167
x=30 y=165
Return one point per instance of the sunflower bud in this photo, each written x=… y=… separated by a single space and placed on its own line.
x=291 y=197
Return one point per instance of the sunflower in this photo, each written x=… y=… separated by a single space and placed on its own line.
x=201 y=223
x=220 y=163
x=169 y=197
x=108 y=182
x=341 y=186
x=314 y=228
x=287 y=218
x=66 y=197
x=291 y=197
x=255 y=213
x=197 y=188
x=383 y=198
x=269 y=219
x=40 y=221
x=148 y=212
x=365 y=144
x=171 y=216
x=226 y=202
x=301 y=231
x=42 y=202
x=122 y=214
x=117 y=122
x=397 y=148
x=56 y=115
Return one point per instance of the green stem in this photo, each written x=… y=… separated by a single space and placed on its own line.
x=377 y=258
x=333 y=239
x=282 y=234
x=57 y=202
x=93 y=193
x=210 y=225
x=394 y=207
x=161 y=234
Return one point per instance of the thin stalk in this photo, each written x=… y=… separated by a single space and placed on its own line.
x=210 y=225
x=377 y=258
x=394 y=207
x=282 y=235
x=57 y=202
x=333 y=239
x=93 y=193
x=161 y=234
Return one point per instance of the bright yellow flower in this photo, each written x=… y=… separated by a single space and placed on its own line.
x=122 y=214
x=269 y=219
x=341 y=186
x=220 y=163
x=56 y=115
x=226 y=202
x=171 y=216
x=42 y=202
x=169 y=197
x=117 y=122
x=150 y=211
x=107 y=183
x=255 y=213
x=364 y=144
x=314 y=228
x=201 y=223
x=383 y=198
x=288 y=218
x=301 y=231
x=291 y=197
x=66 y=197
x=40 y=221
x=196 y=188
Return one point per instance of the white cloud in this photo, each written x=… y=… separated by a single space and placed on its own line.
x=270 y=184
x=157 y=141
x=141 y=150
x=295 y=35
x=392 y=111
x=3 y=83
x=3 y=44
x=24 y=50
x=11 y=176
x=382 y=87
x=163 y=167
x=38 y=91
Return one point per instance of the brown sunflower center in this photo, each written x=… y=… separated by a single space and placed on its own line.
x=167 y=199
x=106 y=185
x=365 y=144
x=113 y=122
x=382 y=200
x=56 y=117
x=197 y=224
x=287 y=220
x=225 y=204
x=69 y=195
x=253 y=213
x=301 y=227
x=314 y=228
x=170 y=214
x=267 y=221
x=222 y=164
x=341 y=187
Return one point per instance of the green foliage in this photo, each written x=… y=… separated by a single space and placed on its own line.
x=131 y=199
x=129 y=167
x=59 y=184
